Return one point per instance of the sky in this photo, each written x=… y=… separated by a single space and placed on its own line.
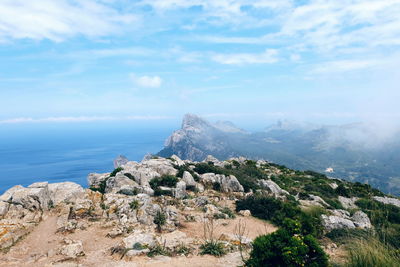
x=248 y=61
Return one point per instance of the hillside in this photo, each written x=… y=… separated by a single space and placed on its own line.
x=353 y=152
x=166 y=211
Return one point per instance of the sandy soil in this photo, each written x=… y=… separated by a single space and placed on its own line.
x=39 y=248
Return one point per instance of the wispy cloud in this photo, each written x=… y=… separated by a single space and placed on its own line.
x=268 y=56
x=58 y=20
x=146 y=81
x=81 y=119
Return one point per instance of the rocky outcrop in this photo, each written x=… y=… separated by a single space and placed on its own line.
x=120 y=161
x=273 y=188
x=348 y=203
x=227 y=183
x=388 y=200
x=341 y=219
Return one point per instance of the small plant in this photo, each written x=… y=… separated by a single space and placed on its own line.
x=134 y=204
x=228 y=212
x=115 y=171
x=181 y=249
x=216 y=186
x=158 y=250
x=160 y=219
x=212 y=247
x=240 y=234
x=164 y=180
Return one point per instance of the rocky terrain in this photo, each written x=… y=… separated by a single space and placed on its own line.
x=161 y=211
x=356 y=152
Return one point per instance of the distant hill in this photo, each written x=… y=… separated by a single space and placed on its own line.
x=353 y=151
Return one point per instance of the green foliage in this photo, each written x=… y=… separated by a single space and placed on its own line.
x=134 y=204
x=216 y=186
x=158 y=250
x=181 y=249
x=275 y=210
x=228 y=212
x=115 y=171
x=130 y=176
x=212 y=247
x=102 y=186
x=342 y=236
x=341 y=190
x=287 y=247
x=183 y=168
x=164 y=180
x=379 y=213
x=202 y=168
x=160 y=219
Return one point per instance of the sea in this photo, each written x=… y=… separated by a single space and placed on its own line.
x=57 y=152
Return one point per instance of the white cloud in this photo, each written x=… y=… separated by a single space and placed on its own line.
x=81 y=119
x=146 y=81
x=58 y=20
x=269 y=56
x=345 y=66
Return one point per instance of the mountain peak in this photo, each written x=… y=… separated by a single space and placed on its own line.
x=192 y=120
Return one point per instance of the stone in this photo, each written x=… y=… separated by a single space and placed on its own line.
x=180 y=190
x=361 y=220
x=245 y=213
x=3 y=208
x=7 y=196
x=32 y=198
x=120 y=182
x=120 y=161
x=348 y=203
x=230 y=184
x=273 y=188
x=177 y=160
x=144 y=239
x=201 y=201
x=388 y=200
x=211 y=158
x=72 y=249
x=335 y=222
x=173 y=239
x=94 y=179
x=39 y=185
x=188 y=179
x=65 y=192
x=199 y=187
x=313 y=201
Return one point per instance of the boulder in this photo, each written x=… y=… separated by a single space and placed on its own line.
x=361 y=220
x=66 y=191
x=177 y=160
x=118 y=183
x=230 y=184
x=212 y=159
x=188 y=179
x=348 y=203
x=95 y=179
x=7 y=196
x=245 y=213
x=273 y=188
x=3 y=208
x=388 y=200
x=144 y=239
x=335 y=222
x=36 y=198
x=313 y=201
x=72 y=249
x=180 y=190
x=120 y=161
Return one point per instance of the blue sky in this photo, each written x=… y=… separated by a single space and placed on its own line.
x=247 y=61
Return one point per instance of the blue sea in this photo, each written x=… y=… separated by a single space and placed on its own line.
x=59 y=152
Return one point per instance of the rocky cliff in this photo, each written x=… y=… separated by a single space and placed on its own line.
x=161 y=206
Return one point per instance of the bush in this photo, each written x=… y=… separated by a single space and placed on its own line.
x=134 y=204
x=202 y=168
x=160 y=219
x=158 y=250
x=115 y=171
x=212 y=247
x=228 y=212
x=287 y=247
x=164 y=180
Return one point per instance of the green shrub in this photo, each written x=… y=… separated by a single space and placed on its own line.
x=213 y=247
x=160 y=192
x=164 y=180
x=115 y=171
x=228 y=212
x=216 y=186
x=160 y=219
x=158 y=250
x=287 y=247
x=134 y=204
x=202 y=168
x=342 y=236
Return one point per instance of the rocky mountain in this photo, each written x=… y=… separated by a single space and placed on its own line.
x=151 y=212
x=354 y=151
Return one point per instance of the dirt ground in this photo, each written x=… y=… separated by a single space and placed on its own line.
x=39 y=248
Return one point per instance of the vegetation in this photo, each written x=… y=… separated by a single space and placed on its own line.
x=287 y=247
x=160 y=219
x=212 y=247
x=164 y=180
x=134 y=204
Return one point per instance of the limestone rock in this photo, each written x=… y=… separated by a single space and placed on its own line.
x=144 y=239
x=118 y=183
x=94 y=179
x=188 y=179
x=72 y=249
x=272 y=187
x=177 y=160
x=36 y=198
x=388 y=200
x=348 y=203
x=245 y=213
x=230 y=184
x=180 y=190
x=120 y=161
x=361 y=220
x=7 y=196
x=66 y=191
x=336 y=222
